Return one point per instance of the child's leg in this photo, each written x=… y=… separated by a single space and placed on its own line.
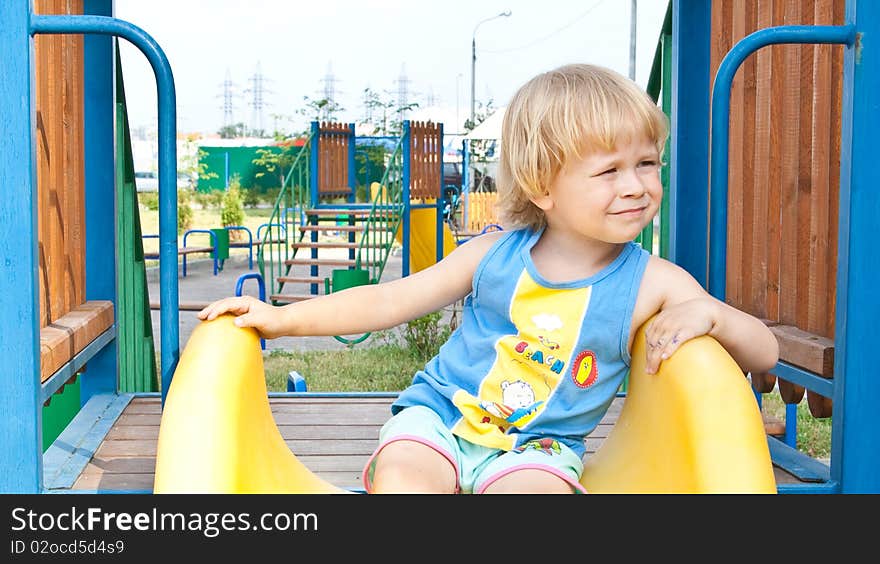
x=405 y=466
x=539 y=466
x=529 y=480
x=416 y=454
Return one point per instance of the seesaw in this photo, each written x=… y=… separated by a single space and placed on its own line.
x=694 y=427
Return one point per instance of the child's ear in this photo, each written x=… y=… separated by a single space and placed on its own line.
x=543 y=201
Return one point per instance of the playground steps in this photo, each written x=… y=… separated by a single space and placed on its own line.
x=311 y=245
x=325 y=262
x=339 y=228
x=336 y=212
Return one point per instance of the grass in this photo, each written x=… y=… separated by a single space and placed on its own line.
x=384 y=368
x=813 y=435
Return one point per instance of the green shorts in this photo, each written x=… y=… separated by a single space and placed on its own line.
x=476 y=466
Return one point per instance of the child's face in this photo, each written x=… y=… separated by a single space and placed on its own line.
x=608 y=196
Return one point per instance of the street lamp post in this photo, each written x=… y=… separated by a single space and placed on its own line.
x=474 y=58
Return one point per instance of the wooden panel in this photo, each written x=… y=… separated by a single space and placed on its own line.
x=60 y=177
x=783 y=164
x=813 y=352
x=333 y=140
x=70 y=334
x=425 y=151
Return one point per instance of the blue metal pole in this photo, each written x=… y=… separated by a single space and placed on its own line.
x=21 y=464
x=313 y=165
x=99 y=155
x=856 y=425
x=465 y=179
x=689 y=140
x=441 y=202
x=721 y=130
x=352 y=167
x=101 y=25
x=407 y=156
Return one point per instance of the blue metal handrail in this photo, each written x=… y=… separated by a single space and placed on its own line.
x=167 y=109
x=843 y=34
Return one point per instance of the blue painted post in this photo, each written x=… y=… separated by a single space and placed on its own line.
x=407 y=157
x=465 y=178
x=226 y=170
x=98 y=131
x=313 y=196
x=856 y=424
x=441 y=201
x=352 y=184
x=313 y=165
x=352 y=167
x=21 y=465
x=689 y=152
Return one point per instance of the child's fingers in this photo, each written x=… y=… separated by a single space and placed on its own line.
x=235 y=306
x=661 y=345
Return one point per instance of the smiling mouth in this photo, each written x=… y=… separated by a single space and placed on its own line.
x=631 y=211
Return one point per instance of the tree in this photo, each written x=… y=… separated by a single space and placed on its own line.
x=233 y=131
x=277 y=160
x=482 y=151
x=384 y=114
x=191 y=162
x=320 y=110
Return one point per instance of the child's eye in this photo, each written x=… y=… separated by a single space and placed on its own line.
x=609 y=171
x=648 y=163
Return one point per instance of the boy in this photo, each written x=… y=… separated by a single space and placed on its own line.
x=551 y=303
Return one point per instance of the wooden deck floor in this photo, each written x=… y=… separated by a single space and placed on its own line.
x=332 y=436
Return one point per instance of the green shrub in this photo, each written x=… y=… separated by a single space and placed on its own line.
x=232 y=206
x=150 y=200
x=250 y=196
x=424 y=336
x=184 y=210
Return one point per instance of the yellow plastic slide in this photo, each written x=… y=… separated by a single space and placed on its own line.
x=693 y=427
x=423 y=239
x=217 y=433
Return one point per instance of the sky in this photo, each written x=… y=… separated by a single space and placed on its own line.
x=300 y=47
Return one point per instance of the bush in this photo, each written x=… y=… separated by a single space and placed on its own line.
x=184 y=210
x=232 y=206
x=150 y=200
x=424 y=336
x=250 y=197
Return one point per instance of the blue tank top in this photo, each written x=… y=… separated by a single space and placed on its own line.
x=532 y=359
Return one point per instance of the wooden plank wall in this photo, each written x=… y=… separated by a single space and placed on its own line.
x=426 y=147
x=784 y=164
x=60 y=177
x=333 y=140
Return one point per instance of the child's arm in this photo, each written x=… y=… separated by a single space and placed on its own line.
x=363 y=308
x=688 y=311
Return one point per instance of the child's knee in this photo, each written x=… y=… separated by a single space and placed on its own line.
x=405 y=466
x=528 y=480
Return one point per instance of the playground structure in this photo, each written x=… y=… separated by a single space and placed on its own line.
x=822 y=349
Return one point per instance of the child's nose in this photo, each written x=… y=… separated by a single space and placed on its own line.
x=631 y=185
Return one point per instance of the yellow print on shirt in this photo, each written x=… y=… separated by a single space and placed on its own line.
x=528 y=366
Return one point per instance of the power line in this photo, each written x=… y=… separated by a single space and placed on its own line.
x=546 y=37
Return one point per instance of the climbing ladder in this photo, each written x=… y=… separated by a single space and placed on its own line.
x=311 y=226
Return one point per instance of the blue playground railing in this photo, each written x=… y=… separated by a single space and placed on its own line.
x=167 y=111
x=784 y=454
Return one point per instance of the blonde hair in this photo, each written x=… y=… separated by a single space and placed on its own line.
x=559 y=115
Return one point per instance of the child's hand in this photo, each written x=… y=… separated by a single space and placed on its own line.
x=675 y=325
x=250 y=312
